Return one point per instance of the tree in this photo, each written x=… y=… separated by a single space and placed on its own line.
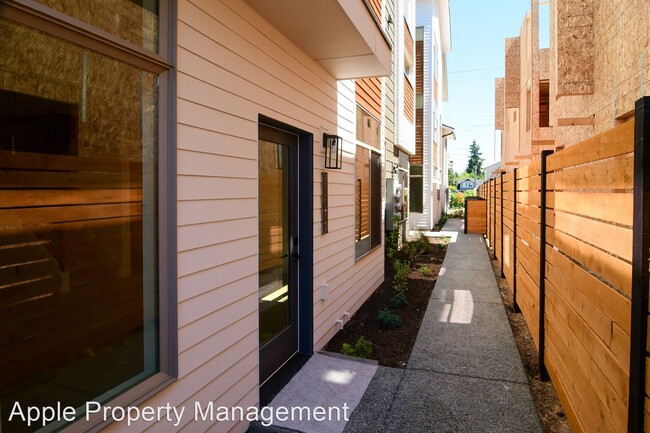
x=475 y=163
x=452 y=177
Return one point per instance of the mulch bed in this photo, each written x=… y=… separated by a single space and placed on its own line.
x=392 y=347
x=549 y=408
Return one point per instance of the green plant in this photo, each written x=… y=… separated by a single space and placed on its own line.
x=458 y=200
x=421 y=243
x=388 y=319
x=392 y=240
x=425 y=271
x=398 y=301
x=361 y=349
x=402 y=270
x=443 y=219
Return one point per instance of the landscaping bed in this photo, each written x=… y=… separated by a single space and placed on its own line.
x=392 y=347
x=550 y=411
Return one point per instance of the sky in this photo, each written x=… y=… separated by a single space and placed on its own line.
x=478 y=32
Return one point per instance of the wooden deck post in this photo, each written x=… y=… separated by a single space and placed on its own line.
x=640 y=261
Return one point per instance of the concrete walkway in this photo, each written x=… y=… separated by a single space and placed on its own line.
x=465 y=373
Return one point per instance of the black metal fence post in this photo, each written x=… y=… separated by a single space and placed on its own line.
x=502 y=237
x=640 y=261
x=489 y=192
x=515 y=306
x=466 y=216
x=494 y=219
x=487 y=213
x=543 y=373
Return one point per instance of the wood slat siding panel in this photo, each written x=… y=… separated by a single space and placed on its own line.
x=376 y=7
x=409 y=100
x=233 y=66
x=419 y=137
x=368 y=95
x=409 y=44
x=419 y=67
x=435 y=89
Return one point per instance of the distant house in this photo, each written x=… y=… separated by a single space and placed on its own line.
x=465 y=185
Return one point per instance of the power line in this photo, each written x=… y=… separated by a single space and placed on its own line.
x=472 y=79
x=474 y=70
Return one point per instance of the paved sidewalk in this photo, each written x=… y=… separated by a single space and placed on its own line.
x=465 y=373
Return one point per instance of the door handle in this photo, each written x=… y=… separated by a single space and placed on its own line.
x=294 y=248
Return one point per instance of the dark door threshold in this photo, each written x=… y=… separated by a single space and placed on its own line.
x=274 y=385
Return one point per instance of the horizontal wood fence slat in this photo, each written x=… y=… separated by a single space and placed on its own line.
x=589 y=330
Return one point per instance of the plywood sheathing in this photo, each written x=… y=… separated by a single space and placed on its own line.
x=621 y=67
x=526 y=99
x=543 y=64
x=575 y=47
x=499 y=102
x=512 y=73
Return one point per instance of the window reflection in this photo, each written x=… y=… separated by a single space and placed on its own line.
x=78 y=304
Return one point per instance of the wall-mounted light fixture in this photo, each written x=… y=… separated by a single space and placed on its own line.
x=333 y=151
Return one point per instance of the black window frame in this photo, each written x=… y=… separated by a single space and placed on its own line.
x=416 y=188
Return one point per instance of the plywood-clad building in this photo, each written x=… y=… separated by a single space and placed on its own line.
x=584 y=84
x=169 y=231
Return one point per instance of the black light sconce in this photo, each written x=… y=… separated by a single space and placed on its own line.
x=333 y=151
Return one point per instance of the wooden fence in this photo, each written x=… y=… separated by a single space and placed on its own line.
x=571 y=232
x=475 y=215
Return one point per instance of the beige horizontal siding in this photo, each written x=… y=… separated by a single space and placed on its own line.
x=232 y=67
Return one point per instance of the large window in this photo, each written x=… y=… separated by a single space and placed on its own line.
x=368 y=178
x=82 y=283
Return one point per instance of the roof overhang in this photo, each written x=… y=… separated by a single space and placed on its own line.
x=448 y=131
x=343 y=36
x=445 y=25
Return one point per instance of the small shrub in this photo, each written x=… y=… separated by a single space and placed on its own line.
x=425 y=271
x=408 y=252
x=361 y=349
x=402 y=271
x=398 y=301
x=388 y=319
x=421 y=244
x=443 y=219
x=392 y=238
x=458 y=200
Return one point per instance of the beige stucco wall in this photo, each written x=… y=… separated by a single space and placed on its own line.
x=232 y=67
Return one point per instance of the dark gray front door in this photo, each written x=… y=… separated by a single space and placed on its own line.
x=278 y=248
